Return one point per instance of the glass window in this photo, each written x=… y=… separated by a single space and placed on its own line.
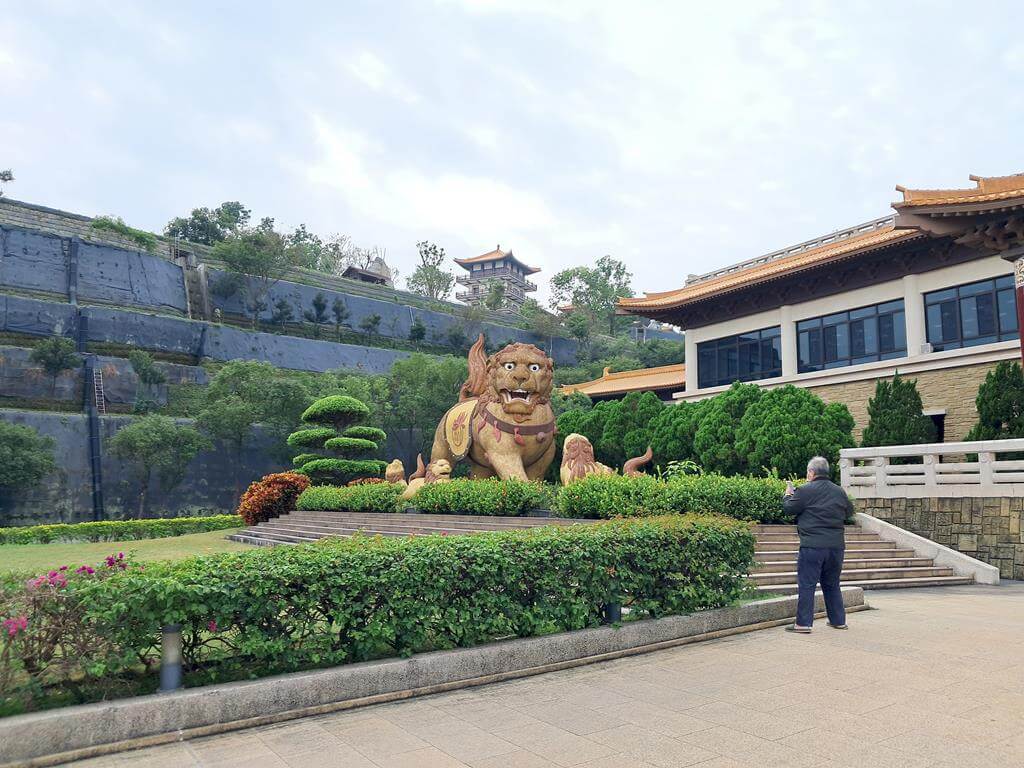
x=967 y=315
x=863 y=335
x=745 y=357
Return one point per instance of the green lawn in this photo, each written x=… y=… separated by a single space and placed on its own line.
x=43 y=557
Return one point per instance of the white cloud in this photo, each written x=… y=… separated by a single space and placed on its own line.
x=375 y=74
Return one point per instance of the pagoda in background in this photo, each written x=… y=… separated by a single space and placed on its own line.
x=496 y=265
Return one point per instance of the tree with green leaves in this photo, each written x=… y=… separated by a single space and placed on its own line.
x=282 y=314
x=596 y=289
x=370 y=325
x=56 y=355
x=715 y=441
x=429 y=278
x=26 y=457
x=150 y=376
x=318 y=314
x=157 y=445
x=895 y=415
x=422 y=389
x=261 y=257
x=340 y=311
x=1000 y=404
x=209 y=227
x=580 y=325
x=673 y=432
x=785 y=427
x=332 y=426
x=627 y=429
x=495 y=298
x=417 y=331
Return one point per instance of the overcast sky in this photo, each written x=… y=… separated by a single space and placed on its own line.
x=678 y=137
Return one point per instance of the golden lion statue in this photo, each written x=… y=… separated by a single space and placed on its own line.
x=578 y=461
x=435 y=472
x=503 y=423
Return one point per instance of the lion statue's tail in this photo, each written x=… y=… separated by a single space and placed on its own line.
x=632 y=467
x=421 y=468
x=477 y=381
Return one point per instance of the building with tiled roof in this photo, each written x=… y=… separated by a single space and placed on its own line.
x=496 y=265
x=663 y=380
x=928 y=292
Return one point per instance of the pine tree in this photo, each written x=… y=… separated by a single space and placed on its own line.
x=895 y=415
x=1000 y=404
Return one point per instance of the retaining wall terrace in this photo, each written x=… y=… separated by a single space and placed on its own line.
x=986 y=528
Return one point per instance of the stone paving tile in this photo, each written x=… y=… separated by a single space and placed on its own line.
x=934 y=679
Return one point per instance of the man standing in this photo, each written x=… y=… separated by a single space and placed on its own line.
x=820 y=508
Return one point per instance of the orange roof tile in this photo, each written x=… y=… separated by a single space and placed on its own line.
x=640 y=380
x=771 y=270
x=986 y=189
x=497 y=253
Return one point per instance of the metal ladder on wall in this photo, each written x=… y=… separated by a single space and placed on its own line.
x=97 y=391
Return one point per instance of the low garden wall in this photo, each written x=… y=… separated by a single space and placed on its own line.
x=986 y=528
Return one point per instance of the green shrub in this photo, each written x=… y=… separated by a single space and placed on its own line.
x=378 y=497
x=305 y=458
x=714 y=442
x=608 y=496
x=627 y=429
x=673 y=432
x=271 y=496
x=335 y=409
x=1000 y=404
x=350 y=446
x=145 y=240
x=118 y=530
x=311 y=438
x=26 y=457
x=333 y=471
x=744 y=498
x=367 y=433
x=895 y=415
x=339 y=601
x=507 y=498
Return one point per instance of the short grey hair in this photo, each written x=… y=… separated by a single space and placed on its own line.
x=818 y=467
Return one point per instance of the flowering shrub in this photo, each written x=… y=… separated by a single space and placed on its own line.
x=50 y=636
x=272 y=496
x=480 y=497
x=344 y=600
x=365 y=497
x=117 y=530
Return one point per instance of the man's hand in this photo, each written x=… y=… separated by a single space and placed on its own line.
x=790 y=490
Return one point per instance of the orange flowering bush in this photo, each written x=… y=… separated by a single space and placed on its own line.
x=272 y=496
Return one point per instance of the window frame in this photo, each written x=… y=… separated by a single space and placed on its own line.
x=955 y=297
x=883 y=309
x=730 y=346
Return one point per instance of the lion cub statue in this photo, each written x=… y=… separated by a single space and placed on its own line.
x=578 y=461
x=435 y=472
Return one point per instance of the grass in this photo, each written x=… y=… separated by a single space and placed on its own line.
x=43 y=557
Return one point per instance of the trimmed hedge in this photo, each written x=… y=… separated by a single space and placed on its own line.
x=743 y=498
x=367 y=433
x=606 y=496
x=480 y=497
x=305 y=458
x=335 y=409
x=340 y=601
x=311 y=438
x=367 y=497
x=341 y=470
x=349 y=446
x=118 y=530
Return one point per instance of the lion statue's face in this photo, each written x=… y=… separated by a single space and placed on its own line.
x=578 y=456
x=520 y=378
x=395 y=472
x=438 y=471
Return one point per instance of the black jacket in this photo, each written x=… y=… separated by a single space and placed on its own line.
x=820 y=508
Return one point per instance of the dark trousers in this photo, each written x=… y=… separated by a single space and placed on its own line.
x=824 y=565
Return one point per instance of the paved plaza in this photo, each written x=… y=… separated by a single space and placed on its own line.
x=933 y=677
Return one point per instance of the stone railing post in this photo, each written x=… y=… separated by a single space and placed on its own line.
x=987 y=473
x=881 y=478
x=930 y=481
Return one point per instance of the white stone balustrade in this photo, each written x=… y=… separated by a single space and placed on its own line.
x=934 y=470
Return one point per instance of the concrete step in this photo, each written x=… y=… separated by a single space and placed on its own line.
x=860 y=574
x=396 y=521
x=793 y=537
x=849 y=564
x=520 y=522
x=793 y=546
x=931 y=581
x=851 y=554
x=397 y=530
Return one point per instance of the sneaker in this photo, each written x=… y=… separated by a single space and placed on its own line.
x=798 y=629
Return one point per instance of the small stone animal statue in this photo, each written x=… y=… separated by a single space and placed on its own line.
x=578 y=461
x=435 y=472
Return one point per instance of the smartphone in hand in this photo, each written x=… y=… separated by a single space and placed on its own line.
x=790 y=489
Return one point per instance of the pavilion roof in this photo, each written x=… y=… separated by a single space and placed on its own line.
x=640 y=380
x=494 y=255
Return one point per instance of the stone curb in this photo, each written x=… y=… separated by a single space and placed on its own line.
x=964 y=565
x=88 y=730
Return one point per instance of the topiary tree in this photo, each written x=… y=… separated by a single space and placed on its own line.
x=1000 y=404
x=714 y=442
x=895 y=415
x=787 y=426
x=334 y=430
x=26 y=457
x=673 y=432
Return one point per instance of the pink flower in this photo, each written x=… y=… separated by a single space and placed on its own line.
x=63 y=567
x=212 y=626
x=15 y=625
x=86 y=569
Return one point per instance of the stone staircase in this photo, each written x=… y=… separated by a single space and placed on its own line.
x=301 y=527
x=870 y=562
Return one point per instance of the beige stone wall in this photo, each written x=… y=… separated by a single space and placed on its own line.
x=953 y=390
x=988 y=529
